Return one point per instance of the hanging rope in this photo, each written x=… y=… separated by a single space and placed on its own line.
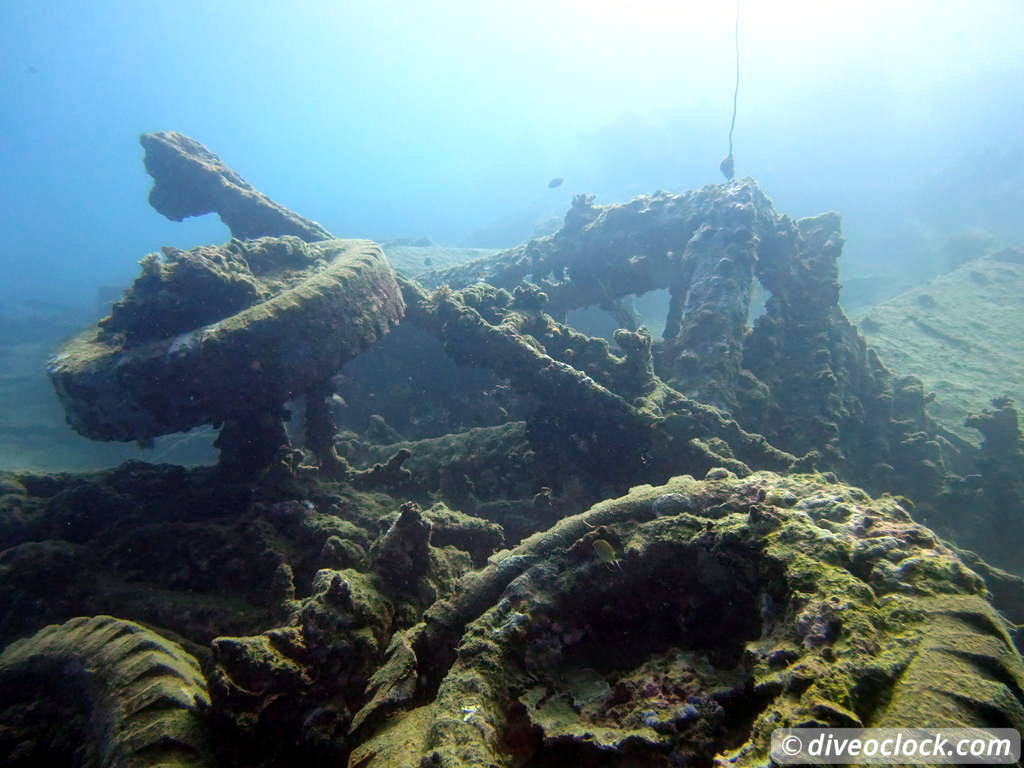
x=727 y=164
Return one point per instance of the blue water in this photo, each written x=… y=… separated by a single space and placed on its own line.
x=410 y=118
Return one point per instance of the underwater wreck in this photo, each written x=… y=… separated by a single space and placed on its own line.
x=501 y=541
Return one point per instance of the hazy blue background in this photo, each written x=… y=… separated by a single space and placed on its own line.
x=437 y=118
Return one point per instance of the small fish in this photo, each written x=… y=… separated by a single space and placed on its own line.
x=555 y=182
x=605 y=553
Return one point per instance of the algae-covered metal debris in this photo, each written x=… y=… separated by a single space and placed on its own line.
x=122 y=695
x=714 y=636
x=525 y=570
x=304 y=311
x=189 y=180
